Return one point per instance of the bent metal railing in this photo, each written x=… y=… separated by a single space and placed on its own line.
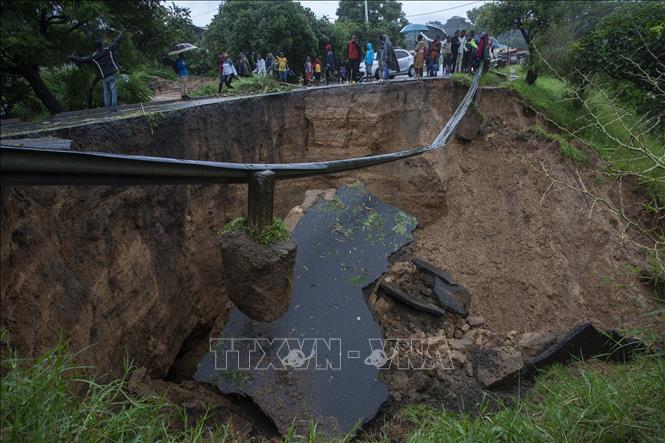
x=38 y=166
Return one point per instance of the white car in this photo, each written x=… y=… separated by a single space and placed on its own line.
x=404 y=59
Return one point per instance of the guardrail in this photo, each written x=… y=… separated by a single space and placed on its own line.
x=39 y=166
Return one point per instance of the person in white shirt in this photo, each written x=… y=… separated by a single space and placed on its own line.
x=462 y=48
x=260 y=66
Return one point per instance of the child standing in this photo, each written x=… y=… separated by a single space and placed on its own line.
x=369 y=60
x=317 y=70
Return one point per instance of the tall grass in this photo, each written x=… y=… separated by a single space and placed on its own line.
x=617 y=403
x=50 y=399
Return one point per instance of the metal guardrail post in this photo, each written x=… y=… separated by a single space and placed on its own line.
x=260 y=198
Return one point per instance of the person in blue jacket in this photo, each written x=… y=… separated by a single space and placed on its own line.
x=369 y=60
x=183 y=73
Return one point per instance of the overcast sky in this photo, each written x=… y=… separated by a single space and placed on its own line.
x=416 y=11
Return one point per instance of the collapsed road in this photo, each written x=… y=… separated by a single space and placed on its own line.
x=136 y=270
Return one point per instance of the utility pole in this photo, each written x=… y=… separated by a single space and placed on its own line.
x=366 y=14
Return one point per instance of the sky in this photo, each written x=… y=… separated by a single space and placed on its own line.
x=416 y=11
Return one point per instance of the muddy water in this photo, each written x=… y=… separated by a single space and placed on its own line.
x=320 y=360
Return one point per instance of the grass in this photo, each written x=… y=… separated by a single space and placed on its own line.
x=51 y=399
x=276 y=233
x=567 y=150
x=551 y=96
x=614 y=403
x=243 y=86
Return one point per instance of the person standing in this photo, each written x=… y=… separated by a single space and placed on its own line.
x=103 y=59
x=460 y=53
x=369 y=60
x=331 y=63
x=227 y=71
x=283 y=67
x=447 y=55
x=454 y=51
x=270 y=64
x=317 y=70
x=434 y=51
x=183 y=75
x=470 y=49
x=353 y=55
x=308 y=70
x=484 y=52
x=388 y=57
x=419 y=61
x=260 y=66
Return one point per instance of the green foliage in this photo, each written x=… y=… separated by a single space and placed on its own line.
x=532 y=18
x=275 y=233
x=627 y=46
x=39 y=35
x=654 y=274
x=52 y=399
x=455 y=23
x=262 y=27
x=243 y=86
x=385 y=17
x=617 y=403
x=606 y=134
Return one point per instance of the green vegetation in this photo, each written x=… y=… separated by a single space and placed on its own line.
x=275 y=233
x=567 y=150
x=243 y=86
x=599 y=127
x=592 y=403
x=52 y=399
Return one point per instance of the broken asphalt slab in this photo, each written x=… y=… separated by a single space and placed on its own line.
x=581 y=343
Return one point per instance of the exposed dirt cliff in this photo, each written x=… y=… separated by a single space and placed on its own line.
x=136 y=271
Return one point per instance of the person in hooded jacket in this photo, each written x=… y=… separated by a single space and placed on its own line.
x=388 y=56
x=331 y=63
x=369 y=60
x=353 y=55
x=103 y=59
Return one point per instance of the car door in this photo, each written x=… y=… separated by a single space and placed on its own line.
x=403 y=59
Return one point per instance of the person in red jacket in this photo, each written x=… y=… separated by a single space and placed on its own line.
x=484 y=54
x=353 y=55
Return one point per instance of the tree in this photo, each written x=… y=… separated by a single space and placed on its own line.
x=261 y=27
x=627 y=46
x=456 y=23
x=532 y=18
x=38 y=35
x=385 y=17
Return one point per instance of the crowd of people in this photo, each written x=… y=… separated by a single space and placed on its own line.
x=461 y=52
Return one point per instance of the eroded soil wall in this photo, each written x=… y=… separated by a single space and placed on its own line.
x=135 y=271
